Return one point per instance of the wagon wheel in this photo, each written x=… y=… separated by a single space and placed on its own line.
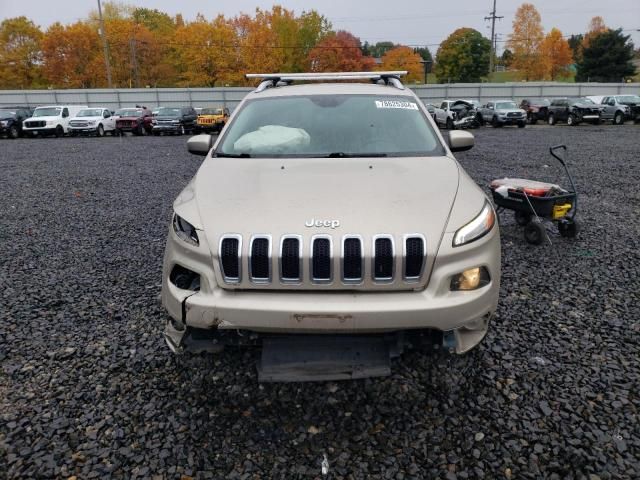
x=534 y=233
x=522 y=218
x=568 y=228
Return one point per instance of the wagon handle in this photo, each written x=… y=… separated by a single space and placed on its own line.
x=552 y=151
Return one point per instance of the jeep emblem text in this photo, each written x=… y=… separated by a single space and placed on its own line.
x=322 y=223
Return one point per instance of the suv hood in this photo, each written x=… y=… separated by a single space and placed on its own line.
x=367 y=196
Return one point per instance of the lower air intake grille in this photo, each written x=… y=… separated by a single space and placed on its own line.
x=414 y=257
x=290 y=260
x=230 y=259
x=260 y=260
x=383 y=259
x=321 y=260
x=352 y=253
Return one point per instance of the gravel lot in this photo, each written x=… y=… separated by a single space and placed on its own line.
x=88 y=388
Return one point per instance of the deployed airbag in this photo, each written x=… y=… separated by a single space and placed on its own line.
x=272 y=139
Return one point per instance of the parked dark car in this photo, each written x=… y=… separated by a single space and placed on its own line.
x=573 y=111
x=175 y=120
x=619 y=108
x=536 y=110
x=11 y=119
x=135 y=120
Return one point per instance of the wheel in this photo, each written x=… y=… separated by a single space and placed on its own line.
x=551 y=120
x=572 y=120
x=522 y=218
x=534 y=233
x=568 y=228
x=59 y=131
x=618 y=119
x=532 y=119
x=449 y=124
x=521 y=124
x=13 y=132
x=495 y=123
x=100 y=131
x=479 y=120
x=156 y=134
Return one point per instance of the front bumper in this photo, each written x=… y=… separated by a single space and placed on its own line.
x=465 y=315
x=86 y=130
x=167 y=128
x=511 y=120
x=40 y=130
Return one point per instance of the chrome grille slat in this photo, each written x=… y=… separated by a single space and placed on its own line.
x=321 y=259
x=291 y=259
x=260 y=259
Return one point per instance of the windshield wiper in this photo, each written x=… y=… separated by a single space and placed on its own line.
x=232 y=155
x=353 y=155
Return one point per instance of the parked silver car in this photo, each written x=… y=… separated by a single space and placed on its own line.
x=331 y=225
x=502 y=112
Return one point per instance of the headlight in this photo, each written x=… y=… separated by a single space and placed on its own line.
x=4 y=124
x=476 y=228
x=154 y=122
x=91 y=122
x=185 y=230
x=175 y=121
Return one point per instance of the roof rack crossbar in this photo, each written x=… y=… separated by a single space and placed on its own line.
x=270 y=80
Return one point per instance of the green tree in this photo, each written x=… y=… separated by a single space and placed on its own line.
x=506 y=58
x=155 y=20
x=424 y=53
x=463 y=57
x=575 y=43
x=20 y=57
x=607 y=58
x=379 y=49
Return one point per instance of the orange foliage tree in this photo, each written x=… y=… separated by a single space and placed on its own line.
x=596 y=26
x=20 y=53
x=71 y=56
x=339 y=52
x=404 y=58
x=556 y=55
x=525 y=41
x=207 y=52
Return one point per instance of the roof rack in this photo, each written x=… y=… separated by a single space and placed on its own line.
x=270 y=80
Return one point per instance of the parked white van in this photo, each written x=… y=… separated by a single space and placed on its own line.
x=93 y=121
x=51 y=120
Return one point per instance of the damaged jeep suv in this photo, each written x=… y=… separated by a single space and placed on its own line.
x=331 y=226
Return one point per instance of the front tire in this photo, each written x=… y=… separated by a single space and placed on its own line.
x=495 y=123
x=449 y=124
x=521 y=124
x=59 y=131
x=13 y=132
x=100 y=131
x=532 y=119
x=551 y=120
x=534 y=233
x=571 y=120
x=618 y=119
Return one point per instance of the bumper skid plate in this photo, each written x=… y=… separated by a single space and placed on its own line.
x=303 y=358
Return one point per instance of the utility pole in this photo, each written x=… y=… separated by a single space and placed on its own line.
x=493 y=18
x=105 y=46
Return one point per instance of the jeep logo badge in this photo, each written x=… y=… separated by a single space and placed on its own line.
x=322 y=223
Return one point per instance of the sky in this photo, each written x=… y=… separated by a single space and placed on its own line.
x=409 y=22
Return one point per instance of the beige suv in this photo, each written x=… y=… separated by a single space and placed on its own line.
x=331 y=226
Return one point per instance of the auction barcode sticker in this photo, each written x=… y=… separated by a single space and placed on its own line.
x=396 y=104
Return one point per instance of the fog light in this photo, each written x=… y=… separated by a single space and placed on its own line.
x=471 y=279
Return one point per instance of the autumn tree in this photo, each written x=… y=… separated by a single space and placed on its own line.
x=525 y=42
x=608 y=58
x=72 y=56
x=155 y=20
x=20 y=55
x=556 y=55
x=595 y=28
x=339 y=52
x=424 y=53
x=575 y=43
x=403 y=58
x=463 y=57
x=207 y=53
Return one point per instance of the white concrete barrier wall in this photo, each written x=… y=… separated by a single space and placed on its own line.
x=231 y=96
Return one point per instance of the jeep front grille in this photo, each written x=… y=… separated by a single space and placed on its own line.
x=294 y=261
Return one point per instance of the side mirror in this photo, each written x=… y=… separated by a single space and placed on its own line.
x=200 y=144
x=459 y=141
